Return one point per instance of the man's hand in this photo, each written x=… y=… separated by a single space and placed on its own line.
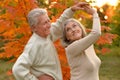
x=79 y=6
x=45 y=77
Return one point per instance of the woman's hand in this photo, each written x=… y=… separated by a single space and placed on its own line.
x=79 y=6
x=89 y=9
x=83 y=6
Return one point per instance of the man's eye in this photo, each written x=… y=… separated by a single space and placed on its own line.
x=49 y=20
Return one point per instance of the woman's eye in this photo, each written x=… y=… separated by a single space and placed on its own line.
x=74 y=26
x=68 y=29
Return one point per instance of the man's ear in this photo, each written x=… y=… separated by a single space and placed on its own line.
x=33 y=28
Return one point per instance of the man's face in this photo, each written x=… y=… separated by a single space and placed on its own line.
x=43 y=26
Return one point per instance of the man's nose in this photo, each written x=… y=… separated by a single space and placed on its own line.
x=48 y=24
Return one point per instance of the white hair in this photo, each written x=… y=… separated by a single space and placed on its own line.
x=33 y=15
x=64 y=40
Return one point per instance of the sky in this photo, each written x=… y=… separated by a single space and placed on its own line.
x=100 y=3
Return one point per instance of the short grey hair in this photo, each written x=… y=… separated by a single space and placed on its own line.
x=66 y=42
x=33 y=15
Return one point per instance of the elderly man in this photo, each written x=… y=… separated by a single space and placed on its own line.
x=39 y=60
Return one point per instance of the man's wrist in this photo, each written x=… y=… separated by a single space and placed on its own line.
x=72 y=8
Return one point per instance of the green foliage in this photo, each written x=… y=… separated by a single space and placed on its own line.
x=2 y=11
x=42 y=4
x=5 y=67
x=109 y=69
x=1 y=43
x=115 y=25
x=18 y=23
x=18 y=36
x=67 y=3
x=12 y=3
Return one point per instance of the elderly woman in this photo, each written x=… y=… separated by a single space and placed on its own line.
x=83 y=61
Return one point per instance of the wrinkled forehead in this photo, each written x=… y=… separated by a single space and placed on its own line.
x=43 y=18
x=71 y=23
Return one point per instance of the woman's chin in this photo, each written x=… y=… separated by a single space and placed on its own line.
x=77 y=37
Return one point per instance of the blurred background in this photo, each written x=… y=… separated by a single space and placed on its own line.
x=15 y=32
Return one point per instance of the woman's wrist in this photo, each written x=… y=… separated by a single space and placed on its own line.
x=95 y=15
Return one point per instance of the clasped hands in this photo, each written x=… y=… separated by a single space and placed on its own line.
x=83 y=6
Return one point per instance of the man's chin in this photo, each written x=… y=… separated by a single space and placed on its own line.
x=47 y=33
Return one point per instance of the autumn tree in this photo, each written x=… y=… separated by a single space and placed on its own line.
x=15 y=31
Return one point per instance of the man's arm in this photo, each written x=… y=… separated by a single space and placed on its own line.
x=21 y=69
x=56 y=29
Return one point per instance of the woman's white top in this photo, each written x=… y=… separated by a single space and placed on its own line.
x=83 y=61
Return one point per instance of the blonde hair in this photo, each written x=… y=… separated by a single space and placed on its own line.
x=64 y=40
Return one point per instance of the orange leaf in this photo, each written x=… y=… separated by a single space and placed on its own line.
x=105 y=50
x=63 y=60
x=9 y=73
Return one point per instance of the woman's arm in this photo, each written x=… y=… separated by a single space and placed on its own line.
x=82 y=44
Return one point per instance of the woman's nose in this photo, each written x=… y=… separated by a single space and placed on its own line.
x=73 y=29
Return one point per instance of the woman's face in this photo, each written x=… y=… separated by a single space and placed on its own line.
x=73 y=31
